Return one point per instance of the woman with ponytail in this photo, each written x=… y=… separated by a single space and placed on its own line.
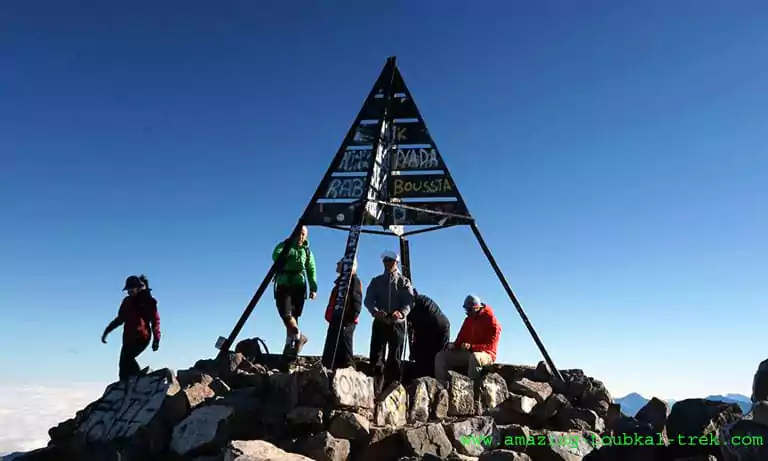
x=141 y=323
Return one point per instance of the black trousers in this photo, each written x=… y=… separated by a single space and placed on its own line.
x=386 y=339
x=290 y=301
x=128 y=353
x=344 y=354
x=425 y=348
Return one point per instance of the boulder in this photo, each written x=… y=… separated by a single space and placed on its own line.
x=351 y=388
x=501 y=454
x=427 y=439
x=559 y=446
x=542 y=373
x=383 y=444
x=579 y=419
x=198 y=393
x=349 y=425
x=205 y=429
x=654 y=413
x=428 y=400
x=694 y=425
x=239 y=379
x=392 y=407
x=283 y=390
x=192 y=376
x=461 y=395
x=258 y=450
x=493 y=391
x=140 y=412
x=314 y=386
x=536 y=390
x=760 y=382
x=744 y=440
x=325 y=447
x=515 y=410
x=473 y=436
x=551 y=407
x=305 y=419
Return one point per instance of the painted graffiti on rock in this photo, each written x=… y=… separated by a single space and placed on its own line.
x=352 y=388
x=126 y=407
x=345 y=188
x=355 y=161
x=346 y=266
x=391 y=410
x=425 y=185
x=416 y=159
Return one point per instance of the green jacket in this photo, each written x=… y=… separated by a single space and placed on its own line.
x=297 y=261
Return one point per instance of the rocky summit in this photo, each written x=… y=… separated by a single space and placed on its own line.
x=241 y=408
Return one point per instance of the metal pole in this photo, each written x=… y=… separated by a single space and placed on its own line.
x=512 y=297
x=405 y=265
x=279 y=263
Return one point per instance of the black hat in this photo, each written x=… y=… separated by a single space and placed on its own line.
x=132 y=282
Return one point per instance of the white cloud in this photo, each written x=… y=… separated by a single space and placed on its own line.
x=27 y=412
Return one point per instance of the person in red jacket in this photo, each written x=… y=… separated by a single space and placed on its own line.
x=475 y=345
x=341 y=328
x=141 y=322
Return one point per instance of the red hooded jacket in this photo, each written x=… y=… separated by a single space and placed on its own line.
x=481 y=331
x=140 y=318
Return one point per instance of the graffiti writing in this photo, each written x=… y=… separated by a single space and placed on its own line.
x=416 y=159
x=422 y=185
x=125 y=407
x=391 y=411
x=352 y=388
x=411 y=133
x=346 y=266
x=405 y=216
x=379 y=175
x=345 y=188
x=354 y=161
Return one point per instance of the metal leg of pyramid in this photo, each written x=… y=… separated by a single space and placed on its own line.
x=514 y=300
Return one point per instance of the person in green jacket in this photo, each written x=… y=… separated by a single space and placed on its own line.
x=291 y=288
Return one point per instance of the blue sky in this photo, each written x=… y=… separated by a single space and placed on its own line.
x=613 y=154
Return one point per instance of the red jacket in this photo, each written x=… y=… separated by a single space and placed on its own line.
x=354 y=300
x=140 y=317
x=482 y=331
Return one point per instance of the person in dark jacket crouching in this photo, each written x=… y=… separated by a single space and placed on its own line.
x=141 y=322
x=341 y=327
x=429 y=331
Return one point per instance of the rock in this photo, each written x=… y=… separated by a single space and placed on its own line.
x=392 y=407
x=536 y=390
x=559 y=446
x=760 y=382
x=543 y=373
x=452 y=457
x=349 y=425
x=550 y=408
x=461 y=395
x=141 y=411
x=325 y=447
x=240 y=379
x=694 y=425
x=579 y=419
x=424 y=395
x=383 y=444
x=427 y=439
x=283 y=390
x=504 y=455
x=198 y=393
x=473 y=436
x=314 y=385
x=515 y=410
x=614 y=413
x=493 y=391
x=596 y=397
x=305 y=419
x=251 y=348
x=654 y=413
x=193 y=376
x=205 y=428
x=744 y=440
x=258 y=450
x=352 y=388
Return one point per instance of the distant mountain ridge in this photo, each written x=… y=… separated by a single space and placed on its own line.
x=633 y=402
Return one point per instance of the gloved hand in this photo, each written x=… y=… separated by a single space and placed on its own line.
x=104 y=338
x=155 y=345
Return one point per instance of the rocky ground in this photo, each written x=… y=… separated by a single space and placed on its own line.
x=242 y=408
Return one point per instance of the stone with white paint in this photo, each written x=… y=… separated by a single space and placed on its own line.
x=461 y=395
x=204 y=428
x=493 y=391
x=140 y=410
x=473 y=436
x=258 y=450
x=352 y=388
x=392 y=407
x=425 y=400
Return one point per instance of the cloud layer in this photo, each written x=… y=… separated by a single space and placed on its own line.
x=27 y=412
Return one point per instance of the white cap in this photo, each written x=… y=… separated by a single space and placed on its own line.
x=390 y=255
x=472 y=301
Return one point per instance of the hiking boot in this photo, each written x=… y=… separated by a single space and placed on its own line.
x=299 y=343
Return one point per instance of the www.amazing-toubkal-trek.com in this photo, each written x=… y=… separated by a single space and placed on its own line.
x=572 y=440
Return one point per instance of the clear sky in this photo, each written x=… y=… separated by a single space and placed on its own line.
x=613 y=153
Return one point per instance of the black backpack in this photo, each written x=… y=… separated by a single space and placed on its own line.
x=251 y=349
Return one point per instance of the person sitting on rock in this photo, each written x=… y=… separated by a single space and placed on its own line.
x=475 y=345
x=430 y=332
x=291 y=289
x=389 y=299
x=338 y=350
x=139 y=316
